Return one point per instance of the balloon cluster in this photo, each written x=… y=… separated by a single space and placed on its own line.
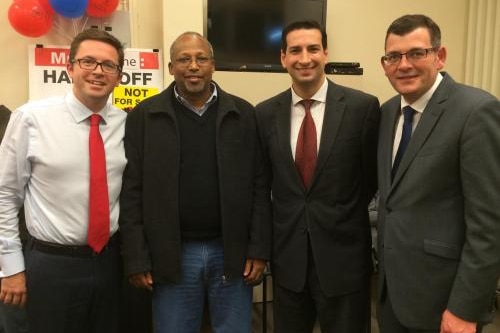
x=33 y=18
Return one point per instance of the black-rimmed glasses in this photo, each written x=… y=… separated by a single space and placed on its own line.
x=394 y=58
x=186 y=61
x=90 y=64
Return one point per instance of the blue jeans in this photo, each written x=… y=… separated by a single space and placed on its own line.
x=178 y=308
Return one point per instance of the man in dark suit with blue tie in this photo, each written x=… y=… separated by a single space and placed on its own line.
x=320 y=141
x=438 y=165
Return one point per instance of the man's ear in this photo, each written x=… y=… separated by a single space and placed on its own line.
x=282 y=58
x=441 y=57
x=69 y=69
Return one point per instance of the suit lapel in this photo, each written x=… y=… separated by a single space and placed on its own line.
x=387 y=130
x=283 y=124
x=428 y=121
x=334 y=111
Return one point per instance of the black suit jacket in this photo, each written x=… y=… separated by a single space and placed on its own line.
x=333 y=213
x=439 y=221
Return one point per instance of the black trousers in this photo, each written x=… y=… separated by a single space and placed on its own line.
x=13 y=319
x=136 y=314
x=296 y=312
x=73 y=293
x=389 y=323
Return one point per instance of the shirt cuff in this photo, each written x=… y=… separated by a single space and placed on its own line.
x=12 y=263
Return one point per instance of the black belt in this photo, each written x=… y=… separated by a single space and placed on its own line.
x=83 y=251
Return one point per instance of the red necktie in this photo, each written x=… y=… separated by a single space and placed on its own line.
x=306 y=150
x=98 y=233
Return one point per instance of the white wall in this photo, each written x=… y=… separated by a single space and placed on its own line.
x=356 y=31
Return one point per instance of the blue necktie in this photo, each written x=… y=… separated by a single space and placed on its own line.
x=408 y=113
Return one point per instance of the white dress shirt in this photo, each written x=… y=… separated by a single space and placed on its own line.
x=419 y=106
x=298 y=113
x=45 y=165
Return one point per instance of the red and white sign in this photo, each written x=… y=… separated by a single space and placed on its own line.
x=142 y=72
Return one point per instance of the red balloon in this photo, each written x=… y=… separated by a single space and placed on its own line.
x=101 y=8
x=30 y=18
x=46 y=5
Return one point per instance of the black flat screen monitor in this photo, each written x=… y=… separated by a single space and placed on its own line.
x=246 y=34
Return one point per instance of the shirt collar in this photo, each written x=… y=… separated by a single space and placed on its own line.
x=319 y=96
x=80 y=112
x=210 y=100
x=420 y=104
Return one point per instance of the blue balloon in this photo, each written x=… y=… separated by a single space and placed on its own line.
x=69 y=8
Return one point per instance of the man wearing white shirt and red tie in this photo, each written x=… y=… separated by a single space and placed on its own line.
x=319 y=139
x=63 y=158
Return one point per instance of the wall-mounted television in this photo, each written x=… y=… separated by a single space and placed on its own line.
x=246 y=34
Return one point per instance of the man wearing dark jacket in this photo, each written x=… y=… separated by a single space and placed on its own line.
x=438 y=216
x=195 y=214
x=320 y=139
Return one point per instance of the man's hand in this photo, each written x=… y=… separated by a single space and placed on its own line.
x=254 y=271
x=13 y=289
x=142 y=280
x=453 y=324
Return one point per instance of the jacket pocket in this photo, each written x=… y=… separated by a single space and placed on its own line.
x=442 y=249
x=433 y=150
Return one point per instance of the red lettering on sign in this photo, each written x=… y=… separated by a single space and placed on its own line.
x=46 y=56
x=149 y=60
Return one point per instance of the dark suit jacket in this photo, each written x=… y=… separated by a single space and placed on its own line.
x=149 y=201
x=333 y=213
x=439 y=220
x=4 y=120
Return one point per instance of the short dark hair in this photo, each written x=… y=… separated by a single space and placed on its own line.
x=407 y=23
x=98 y=35
x=297 y=25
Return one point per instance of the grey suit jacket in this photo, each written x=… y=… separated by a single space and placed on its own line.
x=333 y=213
x=439 y=219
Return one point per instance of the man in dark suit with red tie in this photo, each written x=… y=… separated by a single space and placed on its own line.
x=320 y=142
